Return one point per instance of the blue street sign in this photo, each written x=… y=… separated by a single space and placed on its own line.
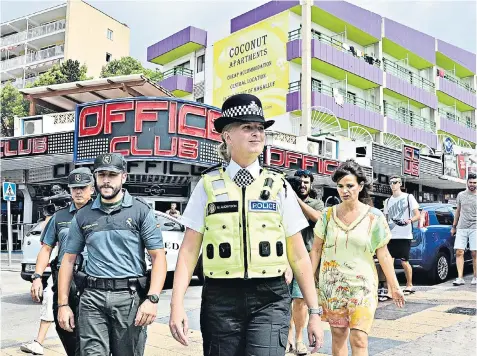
x=9 y=191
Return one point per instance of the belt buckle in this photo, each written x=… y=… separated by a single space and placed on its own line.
x=109 y=284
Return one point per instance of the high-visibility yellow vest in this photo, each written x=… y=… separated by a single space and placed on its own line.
x=244 y=236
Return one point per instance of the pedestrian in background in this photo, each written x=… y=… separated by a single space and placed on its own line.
x=117 y=304
x=464 y=227
x=347 y=236
x=401 y=210
x=247 y=220
x=311 y=208
x=81 y=184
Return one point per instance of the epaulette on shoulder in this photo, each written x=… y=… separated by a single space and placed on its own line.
x=141 y=200
x=213 y=168
x=274 y=169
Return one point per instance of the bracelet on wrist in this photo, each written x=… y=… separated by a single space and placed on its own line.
x=63 y=305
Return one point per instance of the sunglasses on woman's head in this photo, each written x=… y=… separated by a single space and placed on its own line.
x=394 y=182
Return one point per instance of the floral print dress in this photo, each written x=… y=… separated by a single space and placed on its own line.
x=348 y=280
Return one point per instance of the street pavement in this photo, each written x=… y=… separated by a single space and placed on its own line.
x=437 y=320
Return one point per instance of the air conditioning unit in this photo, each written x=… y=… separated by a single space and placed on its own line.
x=32 y=127
x=322 y=148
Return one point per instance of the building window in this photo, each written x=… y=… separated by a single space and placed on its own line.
x=110 y=34
x=200 y=63
x=200 y=100
x=108 y=57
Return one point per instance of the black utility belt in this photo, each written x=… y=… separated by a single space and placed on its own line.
x=242 y=281
x=115 y=284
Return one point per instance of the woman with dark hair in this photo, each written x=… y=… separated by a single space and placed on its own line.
x=347 y=237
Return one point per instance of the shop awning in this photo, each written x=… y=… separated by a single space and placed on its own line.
x=65 y=97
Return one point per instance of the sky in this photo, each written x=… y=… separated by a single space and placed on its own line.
x=153 y=20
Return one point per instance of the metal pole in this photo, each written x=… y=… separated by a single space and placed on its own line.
x=10 y=240
x=306 y=67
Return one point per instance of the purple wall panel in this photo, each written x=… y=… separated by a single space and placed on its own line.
x=458 y=130
x=363 y=19
x=293 y=101
x=178 y=82
x=461 y=56
x=293 y=49
x=260 y=13
x=420 y=43
x=457 y=92
x=189 y=34
x=412 y=133
x=402 y=87
x=345 y=61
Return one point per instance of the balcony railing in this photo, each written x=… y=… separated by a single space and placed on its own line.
x=405 y=74
x=349 y=98
x=33 y=33
x=408 y=117
x=178 y=71
x=32 y=57
x=296 y=34
x=20 y=82
x=465 y=86
x=454 y=116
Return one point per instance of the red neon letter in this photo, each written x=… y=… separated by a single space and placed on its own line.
x=309 y=161
x=135 y=151
x=329 y=166
x=115 y=141
x=280 y=160
x=143 y=113
x=211 y=133
x=184 y=129
x=21 y=150
x=188 y=148
x=91 y=130
x=115 y=112
x=40 y=145
x=291 y=157
x=173 y=117
x=7 y=150
x=165 y=153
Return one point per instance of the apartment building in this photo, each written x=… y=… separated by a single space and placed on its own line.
x=32 y=44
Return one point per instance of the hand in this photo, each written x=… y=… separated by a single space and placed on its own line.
x=288 y=275
x=315 y=332
x=409 y=221
x=178 y=324
x=66 y=319
x=36 y=290
x=453 y=231
x=398 y=297
x=146 y=313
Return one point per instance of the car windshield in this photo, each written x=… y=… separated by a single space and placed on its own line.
x=167 y=224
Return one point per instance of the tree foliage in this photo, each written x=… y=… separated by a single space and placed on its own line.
x=66 y=72
x=127 y=66
x=12 y=104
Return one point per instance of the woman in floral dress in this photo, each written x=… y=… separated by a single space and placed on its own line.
x=347 y=237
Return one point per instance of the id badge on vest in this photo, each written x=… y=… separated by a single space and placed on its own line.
x=264 y=206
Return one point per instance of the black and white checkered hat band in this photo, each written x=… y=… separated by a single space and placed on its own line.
x=243 y=111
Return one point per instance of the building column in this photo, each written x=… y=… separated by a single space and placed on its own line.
x=306 y=67
x=27 y=204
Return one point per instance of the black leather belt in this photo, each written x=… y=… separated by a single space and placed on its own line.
x=111 y=284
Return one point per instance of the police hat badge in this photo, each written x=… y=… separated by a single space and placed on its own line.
x=107 y=159
x=78 y=178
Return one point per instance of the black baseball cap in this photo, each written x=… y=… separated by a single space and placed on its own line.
x=80 y=177
x=111 y=162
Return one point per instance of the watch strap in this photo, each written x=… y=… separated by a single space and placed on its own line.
x=318 y=311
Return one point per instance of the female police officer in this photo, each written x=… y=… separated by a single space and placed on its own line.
x=247 y=221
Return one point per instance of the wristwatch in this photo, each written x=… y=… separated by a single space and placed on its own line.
x=35 y=276
x=318 y=311
x=153 y=298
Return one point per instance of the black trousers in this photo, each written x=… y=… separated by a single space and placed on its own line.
x=245 y=317
x=70 y=340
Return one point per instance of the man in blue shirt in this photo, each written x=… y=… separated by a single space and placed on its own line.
x=116 y=305
x=81 y=184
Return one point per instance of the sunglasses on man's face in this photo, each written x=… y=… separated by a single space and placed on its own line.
x=394 y=182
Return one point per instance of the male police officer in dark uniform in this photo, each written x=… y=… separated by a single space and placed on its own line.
x=81 y=184
x=116 y=305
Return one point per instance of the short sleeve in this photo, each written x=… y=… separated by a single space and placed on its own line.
x=292 y=216
x=75 y=242
x=413 y=202
x=320 y=229
x=385 y=210
x=150 y=233
x=458 y=200
x=380 y=234
x=48 y=237
x=194 y=214
x=317 y=204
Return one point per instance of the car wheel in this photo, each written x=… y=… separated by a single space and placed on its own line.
x=441 y=268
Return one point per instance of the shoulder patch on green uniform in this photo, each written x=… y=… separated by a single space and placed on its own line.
x=213 y=168
x=141 y=200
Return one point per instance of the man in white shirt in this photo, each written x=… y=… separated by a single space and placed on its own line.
x=401 y=210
